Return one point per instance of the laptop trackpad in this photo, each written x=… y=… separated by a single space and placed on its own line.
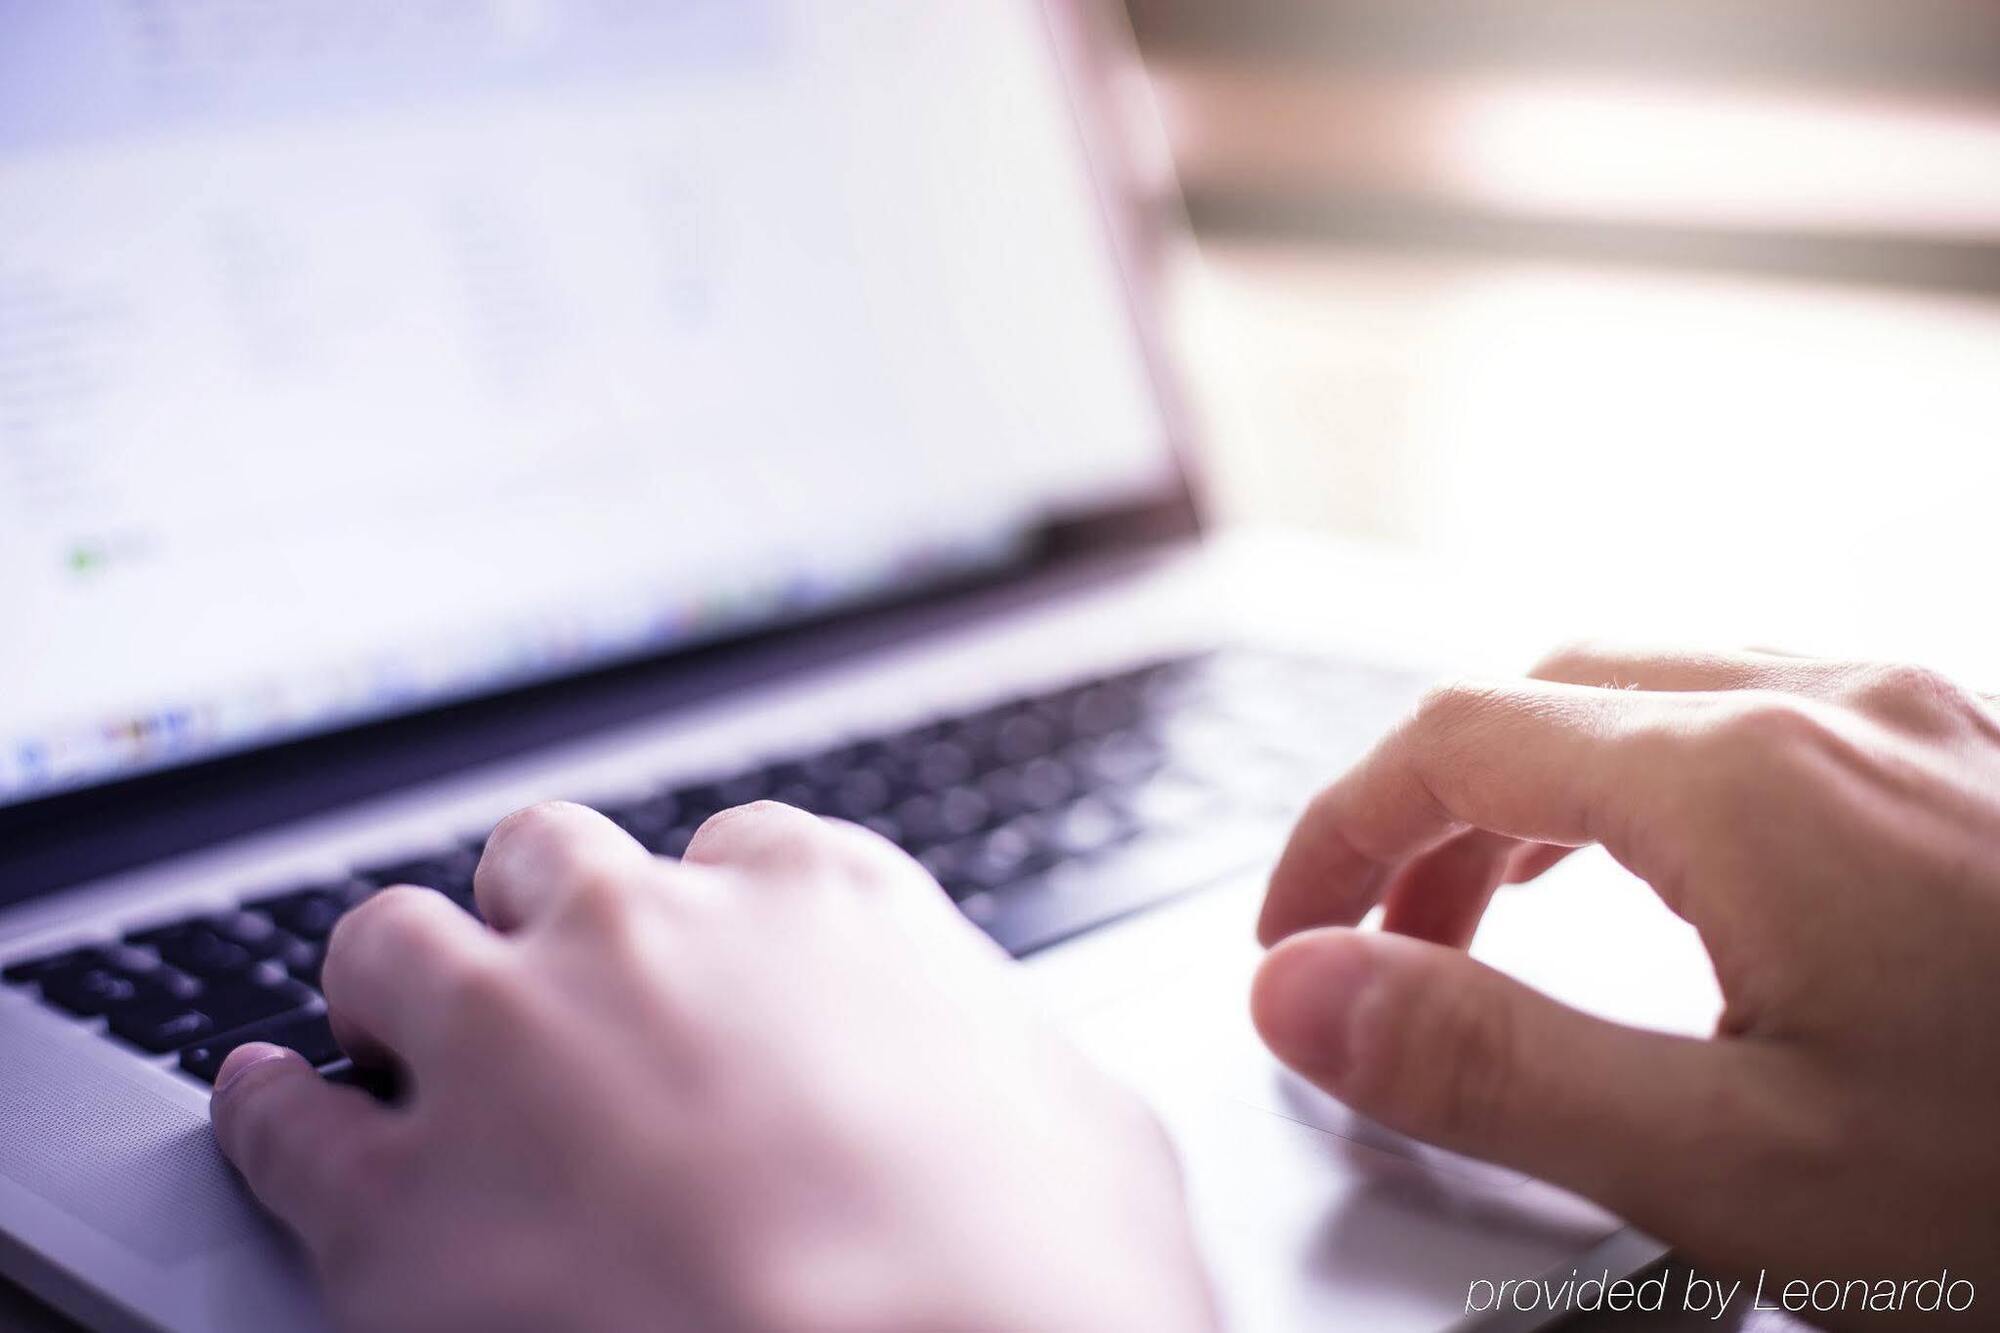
x=1312 y=1215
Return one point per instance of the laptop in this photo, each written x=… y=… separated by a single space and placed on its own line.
x=412 y=411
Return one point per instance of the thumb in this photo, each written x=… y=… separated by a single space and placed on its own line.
x=1443 y=1048
x=308 y=1149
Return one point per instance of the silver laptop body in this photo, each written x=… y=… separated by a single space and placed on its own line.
x=411 y=412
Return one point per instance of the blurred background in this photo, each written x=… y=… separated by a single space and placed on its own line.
x=1676 y=319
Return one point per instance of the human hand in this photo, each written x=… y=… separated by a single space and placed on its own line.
x=1831 y=830
x=780 y=1085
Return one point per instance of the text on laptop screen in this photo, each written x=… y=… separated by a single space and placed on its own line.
x=355 y=354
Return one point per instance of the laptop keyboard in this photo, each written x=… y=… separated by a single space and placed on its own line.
x=1042 y=817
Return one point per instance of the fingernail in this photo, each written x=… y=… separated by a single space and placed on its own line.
x=1307 y=997
x=242 y=1060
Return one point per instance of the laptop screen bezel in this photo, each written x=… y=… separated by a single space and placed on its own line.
x=56 y=841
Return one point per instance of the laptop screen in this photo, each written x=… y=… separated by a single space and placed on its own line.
x=357 y=355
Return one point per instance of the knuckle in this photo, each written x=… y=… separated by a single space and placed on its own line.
x=523 y=822
x=1903 y=691
x=870 y=855
x=1578 y=660
x=1474 y=1075
x=362 y=919
x=764 y=820
x=1454 y=722
x=1757 y=726
x=389 y=922
x=833 y=861
x=1449 y=1062
x=755 y=814
x=1757 y=743
x=771 y=837
x=599 y=904
x=1452 y=704
x=357 y=935
x=541 y=822
x=388 y=909
x=761 y=809
x=479 y=995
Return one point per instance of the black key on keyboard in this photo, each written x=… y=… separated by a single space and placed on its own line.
x=223 y=945
x=204 y=952
x=161 y=1027
x=646 y=820
x=665 y=823
x=829 y=766
x=919 y=822
x=308 y=1034
x=450 y=872
x=102 y=984
x=804 y=795
x=30 y=971
x=1077 y=896
x=161 y=1008
x=1023 y=736
x=696 y=802
x=940 y=764
x=1040 y=784
x=307 y=962
x=309 y=913
x=744 y=788
x=675 y=841
x=1012 y=852
x=252 y=998
x=1102 y=709
x=861 y=793
x=1042 y=817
